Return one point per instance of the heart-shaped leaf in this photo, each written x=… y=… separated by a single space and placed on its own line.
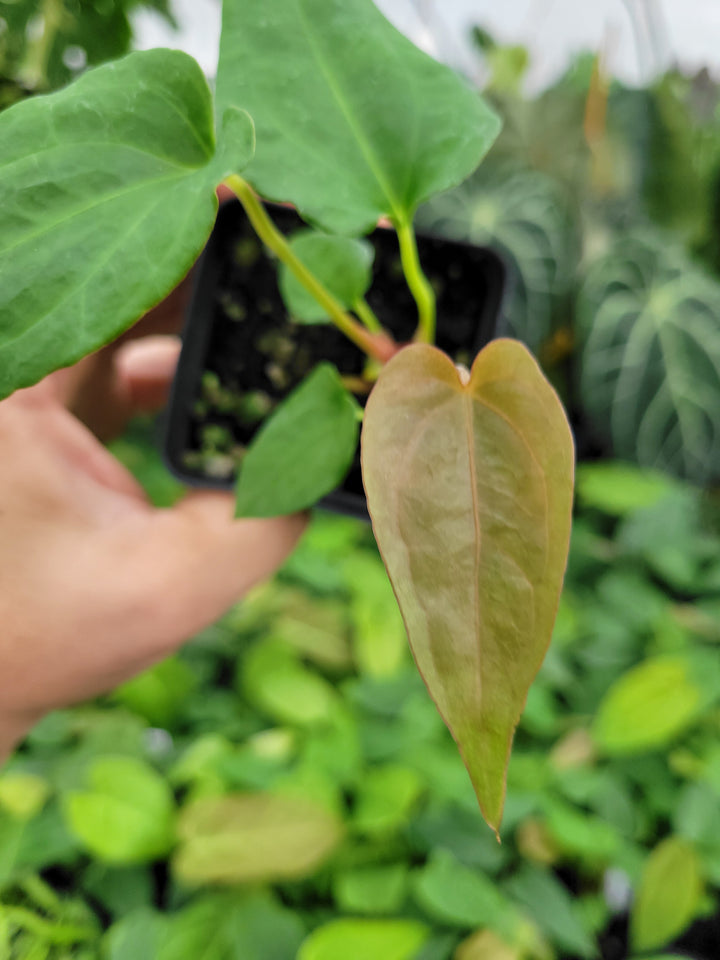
x=341 y=264
x=353 y=121
x=469 y=486
x=107 y=196
x=303 y=451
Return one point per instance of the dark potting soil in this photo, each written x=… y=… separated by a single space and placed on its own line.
x=243 y=354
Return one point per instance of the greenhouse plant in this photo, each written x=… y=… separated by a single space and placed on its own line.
x=285 y=787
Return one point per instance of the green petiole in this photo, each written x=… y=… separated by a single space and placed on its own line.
x=363 y=338
x=417 y=282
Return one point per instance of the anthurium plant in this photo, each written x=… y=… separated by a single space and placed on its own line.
x=107 y=196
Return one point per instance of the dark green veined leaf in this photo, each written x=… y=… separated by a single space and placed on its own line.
x=303 y=451
x=526 y=215
x=469 y=487
x=342 y=265
x=373 y=125
x=649 y=326
x=107 y=196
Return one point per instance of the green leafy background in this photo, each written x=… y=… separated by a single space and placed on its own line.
x=285 y=784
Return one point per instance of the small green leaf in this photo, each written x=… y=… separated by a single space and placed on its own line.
x=160 y=693
x=550 y=905
x=469 y=487
x=107 y=196
x=303 y=451
x=460 y=896
x=373 y=890
x=232 y=926
x=379 y=641
x=139 y=934
x=648 y=706
x=127 y=815
x=253 y=837
x=486 y=945
x=360 y=939
x=276 y=681
x=373 y=125
x=342 y=265
x=619 y=488
x=386 y=798
x=23 y=794
x=669 y=895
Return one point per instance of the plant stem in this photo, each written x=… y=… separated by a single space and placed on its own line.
x=41 y=893
x=417 y=282
x=365 y=312
x=35 y=71
x=65 y=933
x=275 y=241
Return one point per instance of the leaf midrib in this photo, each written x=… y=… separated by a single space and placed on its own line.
x=367 y=151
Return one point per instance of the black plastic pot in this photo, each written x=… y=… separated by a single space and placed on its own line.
x=242 y=354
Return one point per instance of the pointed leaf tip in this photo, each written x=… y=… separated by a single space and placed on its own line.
x=470 y=492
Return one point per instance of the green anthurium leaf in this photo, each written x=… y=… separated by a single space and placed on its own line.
x=360 y=939
x=651 y=704
x=550 y=904
x=620 y=488
x=669 y=896
x=23 y=794
x=278 y=683
x=469 y=487
x=374 y=126
x=371 y=890
x=303 y=451
x=107 y=196
x=139 y=934
x=253 y=837
x=460 y=896
x=127 y=815
x=232 y=926
x=341 y=264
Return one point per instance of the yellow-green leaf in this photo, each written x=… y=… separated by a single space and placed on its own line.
x=360 y=939
x=254 y=837
x=469 y=484
x=648 y=706
x=669 y=896
x=23 y=794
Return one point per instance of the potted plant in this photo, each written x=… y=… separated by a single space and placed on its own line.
x=468 y=473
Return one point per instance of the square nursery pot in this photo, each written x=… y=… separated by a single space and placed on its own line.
x=242 y=354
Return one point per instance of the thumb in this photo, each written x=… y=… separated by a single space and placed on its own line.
x=144 y=369
x=207 y=560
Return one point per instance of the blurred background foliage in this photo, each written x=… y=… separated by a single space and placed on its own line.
x=284 y=787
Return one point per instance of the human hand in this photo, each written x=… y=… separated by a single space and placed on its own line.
x=95 y=584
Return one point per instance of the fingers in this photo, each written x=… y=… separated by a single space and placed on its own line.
x=207 y=561
x=144 y=370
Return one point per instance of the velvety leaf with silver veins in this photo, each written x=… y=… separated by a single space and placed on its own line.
x=353 y=121
x=107 y=196
x=469 y=484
